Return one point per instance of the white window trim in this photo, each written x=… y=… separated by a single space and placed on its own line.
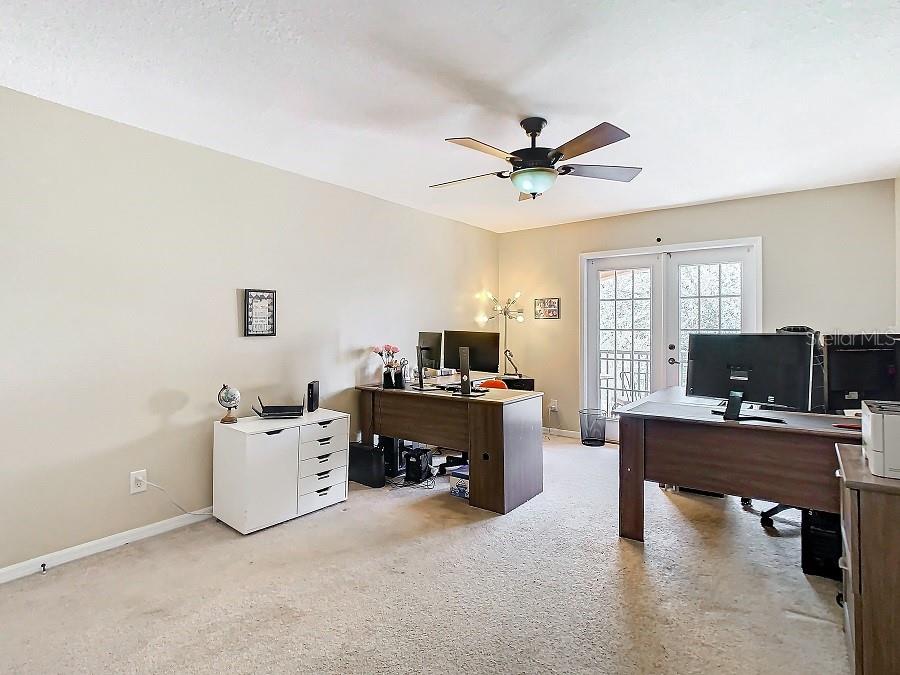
x=754 y=243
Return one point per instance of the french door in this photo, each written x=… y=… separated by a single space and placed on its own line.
x=641 y=307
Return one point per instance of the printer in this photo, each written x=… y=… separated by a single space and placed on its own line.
x=881 y=437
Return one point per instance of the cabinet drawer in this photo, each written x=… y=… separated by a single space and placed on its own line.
x=321 y=498
x=310 y=467
x=323 y=479
x=310 y=449
x=319 y=430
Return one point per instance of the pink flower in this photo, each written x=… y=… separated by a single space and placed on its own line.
x=394 y=349
x=386 y=348
x=376 y=350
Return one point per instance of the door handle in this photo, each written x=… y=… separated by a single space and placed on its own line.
x=672 y=361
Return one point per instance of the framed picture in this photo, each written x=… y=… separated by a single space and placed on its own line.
x=259 y=312
x=546 y=308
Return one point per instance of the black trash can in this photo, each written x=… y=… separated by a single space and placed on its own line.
x=593 y=426
x=367 y=464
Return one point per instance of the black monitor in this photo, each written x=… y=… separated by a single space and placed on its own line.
x=431 y=349
x=774 y=369
x=860 y=367
x=484 y=349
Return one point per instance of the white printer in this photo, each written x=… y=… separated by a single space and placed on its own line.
x=881 y=437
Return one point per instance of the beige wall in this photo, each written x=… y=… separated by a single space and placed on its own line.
x=897 y=243
x=122 y=254
x=829 y=261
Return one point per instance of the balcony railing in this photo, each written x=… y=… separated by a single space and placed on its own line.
x=628 y=377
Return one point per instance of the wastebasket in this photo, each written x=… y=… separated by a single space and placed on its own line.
x=593 y=426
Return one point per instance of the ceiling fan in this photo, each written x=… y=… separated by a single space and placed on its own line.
x=534 y=169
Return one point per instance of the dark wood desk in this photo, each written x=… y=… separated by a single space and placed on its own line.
x=670 y=438
x=501 y=431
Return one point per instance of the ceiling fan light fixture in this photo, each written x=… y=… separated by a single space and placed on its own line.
x=535 y=180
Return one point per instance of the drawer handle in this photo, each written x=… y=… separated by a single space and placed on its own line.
x=842 y=563
x=324 y=474
x=325 y=424
x=323 y=491
x=325 y=441
x=272 y=433
x=323 y=458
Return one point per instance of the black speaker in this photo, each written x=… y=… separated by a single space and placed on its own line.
x=418 y=465
x=312 y=396
x=464 y=374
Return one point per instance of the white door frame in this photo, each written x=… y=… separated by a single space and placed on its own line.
x=754 y=243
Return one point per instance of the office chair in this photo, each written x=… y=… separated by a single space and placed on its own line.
x=493 y=384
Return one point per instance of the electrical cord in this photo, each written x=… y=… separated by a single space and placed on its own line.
x=427 y=484
x=204 y=512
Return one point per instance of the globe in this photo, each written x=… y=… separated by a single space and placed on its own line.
x=229 y=397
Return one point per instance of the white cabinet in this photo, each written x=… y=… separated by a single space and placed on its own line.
x=269 y=471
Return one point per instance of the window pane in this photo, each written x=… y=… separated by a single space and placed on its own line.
x=688 y=284
x=642 y=314
x=642 y=341
x=607 y=285
x=623 y=284
x=623 y=341
x=607 y=340
x=607 y=314
x=731 y=313
x=688 y=313
x=623 y=314
x=642 y=283
x=709 y=279
x=731 y=278
x=709 y=313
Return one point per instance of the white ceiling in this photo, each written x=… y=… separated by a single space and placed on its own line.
x=722 y=99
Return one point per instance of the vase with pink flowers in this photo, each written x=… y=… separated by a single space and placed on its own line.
x=391 y=362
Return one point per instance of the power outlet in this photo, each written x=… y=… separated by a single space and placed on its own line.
x=554 y=405
x=138 y=481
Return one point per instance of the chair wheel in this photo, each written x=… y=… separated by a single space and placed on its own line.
x=765 y=521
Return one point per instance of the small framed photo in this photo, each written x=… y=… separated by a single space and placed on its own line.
x=546 y=308
x=259 y=312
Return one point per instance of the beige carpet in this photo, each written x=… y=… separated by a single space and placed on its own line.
x=416 y=581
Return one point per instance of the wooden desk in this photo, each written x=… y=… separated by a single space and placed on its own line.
x=501 y=431
x=670 y=438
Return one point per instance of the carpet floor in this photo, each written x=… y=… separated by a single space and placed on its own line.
x=415 y=581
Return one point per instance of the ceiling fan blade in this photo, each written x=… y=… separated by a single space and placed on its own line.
x=623 y=174
x=499 y=174
x=481 y=147
x=601 y=135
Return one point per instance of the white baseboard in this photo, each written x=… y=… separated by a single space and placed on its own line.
x=561 y=432
x=49 y=560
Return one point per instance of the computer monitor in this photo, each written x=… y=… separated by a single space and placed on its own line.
x=431 y=349
x=484 y=349
x=860 y=367
x=774 y=369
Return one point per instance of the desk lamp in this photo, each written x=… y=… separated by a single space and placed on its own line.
x=508 y=311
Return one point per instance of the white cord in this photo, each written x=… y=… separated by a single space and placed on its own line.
x=180 y=507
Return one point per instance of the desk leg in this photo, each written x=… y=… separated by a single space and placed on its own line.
x=631 y=478
x=367 y=417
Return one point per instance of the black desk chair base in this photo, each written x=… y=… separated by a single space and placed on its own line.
x=765 y=518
